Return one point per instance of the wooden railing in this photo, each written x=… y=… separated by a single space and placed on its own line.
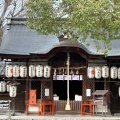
x=61 y=104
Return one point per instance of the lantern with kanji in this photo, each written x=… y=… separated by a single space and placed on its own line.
x=98 y=72
x=23 y=71
x=13 y=91
x=105 y=71
x=90 y=72
x=47 y=71
x=31 y=71
x=114 y=72
x=39 y=71
x=2 y=86
x=16 y=71
x=119 y=73
x=9 y=71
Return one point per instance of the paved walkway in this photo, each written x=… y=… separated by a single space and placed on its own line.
x=58 y=117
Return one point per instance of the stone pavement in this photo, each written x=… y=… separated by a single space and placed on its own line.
x=58 y=117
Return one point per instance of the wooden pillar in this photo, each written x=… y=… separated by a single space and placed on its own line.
x=27 y=83
x=87 y=84
x=46 y=84
x=108 y=97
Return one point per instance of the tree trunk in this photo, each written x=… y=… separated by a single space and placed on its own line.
x=1 y=34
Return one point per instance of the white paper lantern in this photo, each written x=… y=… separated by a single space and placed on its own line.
x=39 y=70
x=31 y=71
x=98 y=72
x=8 y=71
x=47 y=71
x=114 y=72
x=119 y=91
x=105 y=71
x=54 y=75
x=119 y=73
x=2 y=86
x=90 y=72
x=13 y=91
x=23 y=71
x=16 y=71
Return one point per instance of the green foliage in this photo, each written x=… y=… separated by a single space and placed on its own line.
x=97 y=19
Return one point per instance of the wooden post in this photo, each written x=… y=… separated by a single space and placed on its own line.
x=27 y=83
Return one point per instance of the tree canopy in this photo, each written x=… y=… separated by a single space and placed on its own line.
x=97 y=19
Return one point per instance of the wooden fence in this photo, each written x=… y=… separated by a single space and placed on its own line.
x=61 y=104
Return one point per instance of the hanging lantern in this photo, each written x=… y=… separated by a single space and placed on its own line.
x=55 y=71
x=71 y=72
x=23 y=71
x=119 y=73
x=90 y=72
x=13 y=91
x=98 y=72
x=119 y=91
x=59 y=71
x=39 y=70
x=77 y=72
x=8 y=71
x=54 y=75
x=16 y=71
x=2 y=86
x=105 y=71
x=113 y=72
x=65 y=71
x=47 y=71
x=32 y=71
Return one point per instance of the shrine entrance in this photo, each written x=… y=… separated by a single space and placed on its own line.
x=60 y=89
x=60 y=95
x=77 y=70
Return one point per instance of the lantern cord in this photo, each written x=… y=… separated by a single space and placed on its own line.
x=68 y=99
x=12 y=83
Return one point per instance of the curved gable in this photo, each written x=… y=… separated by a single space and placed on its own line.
x=20 y=40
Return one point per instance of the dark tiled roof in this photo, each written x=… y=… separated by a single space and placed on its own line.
x=115 y=48
x=20 y=40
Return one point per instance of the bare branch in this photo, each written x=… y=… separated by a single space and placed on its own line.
x=6 y=4
x=1 y=34
x=12 y=13
x=22 y=8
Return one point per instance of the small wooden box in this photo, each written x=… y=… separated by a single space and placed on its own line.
x=32 y=97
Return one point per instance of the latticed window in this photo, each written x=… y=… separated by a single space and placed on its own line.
x=36 y=85
x=99 y=85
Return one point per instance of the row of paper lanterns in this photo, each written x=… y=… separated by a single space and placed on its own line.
x=21 y=71
x=12 y=89
x=98 y=72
